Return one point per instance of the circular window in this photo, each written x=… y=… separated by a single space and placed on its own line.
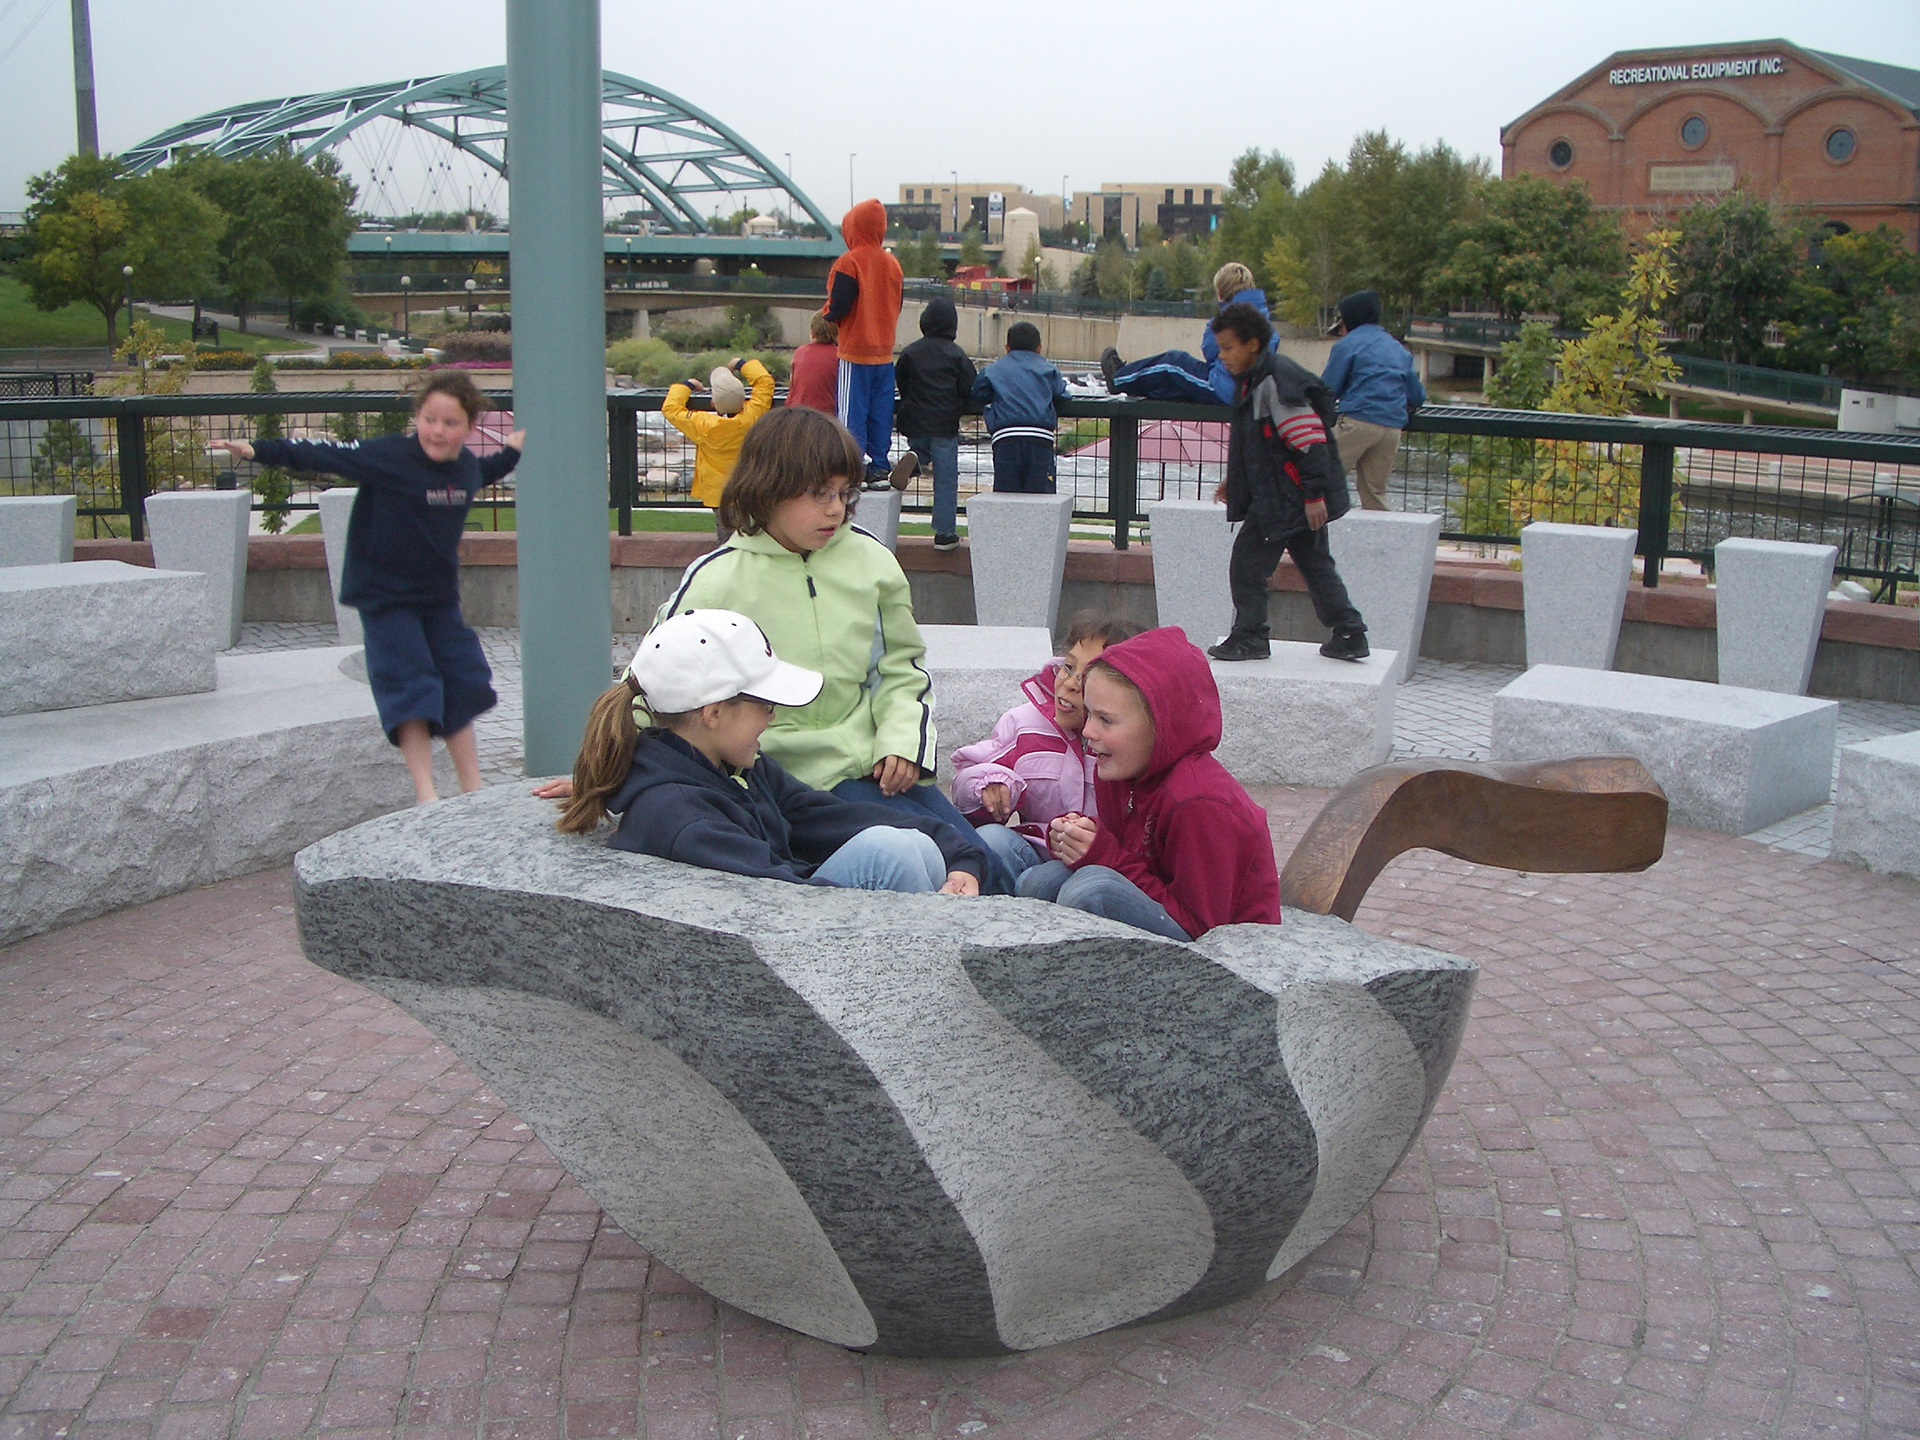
x=1840 y=146
x=1693 y=132
x=1560 y=153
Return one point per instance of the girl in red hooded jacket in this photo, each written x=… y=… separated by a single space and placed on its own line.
x=1180 y=847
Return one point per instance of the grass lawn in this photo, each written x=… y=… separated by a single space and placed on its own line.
x=24 y=326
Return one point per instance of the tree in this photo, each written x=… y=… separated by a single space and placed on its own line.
x=287 y=223
x=1258 y=197
x=1033 y=265
x=88 y=219
x=1856 y=307
x=1530 y=247
x=1734 y=265
x=273 y=486
x=973 y=250
x=1526 y=371
x=919 y=257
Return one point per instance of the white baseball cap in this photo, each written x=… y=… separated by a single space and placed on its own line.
x=701 y=657
x=728 y=390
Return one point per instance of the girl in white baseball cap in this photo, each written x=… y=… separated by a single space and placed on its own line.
x=694 y=787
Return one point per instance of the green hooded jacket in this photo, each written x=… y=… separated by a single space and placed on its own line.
x=845 y=611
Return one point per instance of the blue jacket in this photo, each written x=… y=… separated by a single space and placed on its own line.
x=403 y=538
x=1224 y=384
x=678 y=805
x=1371 y=374
x=1019 y=390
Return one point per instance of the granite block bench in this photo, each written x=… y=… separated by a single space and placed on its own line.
x=1729 y=759
x=1298 y=718
x=36 y=529
x=96 y=632
x=912 y=1124
x=1876 y=805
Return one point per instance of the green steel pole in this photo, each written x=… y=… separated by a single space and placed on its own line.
x=559 y=366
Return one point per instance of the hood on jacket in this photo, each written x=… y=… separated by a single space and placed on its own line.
x=1172 y=675
x=940 y=319
x=1038 y=689
x=1360 y=308
x=864 y=224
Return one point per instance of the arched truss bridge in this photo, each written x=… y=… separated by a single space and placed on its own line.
x=654 y=147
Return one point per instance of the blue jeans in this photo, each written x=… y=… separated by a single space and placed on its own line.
x=929 y=800
x=942 y=454
x=866 y=408
x=1100 y=891
x=1014 y=850
x=884 y=858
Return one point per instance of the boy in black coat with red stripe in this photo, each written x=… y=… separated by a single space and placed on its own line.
x=1284 y=483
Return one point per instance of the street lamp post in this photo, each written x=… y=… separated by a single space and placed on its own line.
x=126 y=272
x=850 y=160
x=956 y=200
x=1066 y=215
x=406 y=307
x=472 y=285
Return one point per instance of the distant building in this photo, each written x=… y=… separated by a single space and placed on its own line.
x=1653 y=131
x=1181 y=208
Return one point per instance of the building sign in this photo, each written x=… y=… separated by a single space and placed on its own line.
x=1698 y=70
x=1689 y=179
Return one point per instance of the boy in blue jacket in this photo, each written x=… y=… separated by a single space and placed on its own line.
x=1371 y=374
x=1019 y=390
x=694 y=786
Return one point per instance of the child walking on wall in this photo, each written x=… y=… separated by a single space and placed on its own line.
x=717 y=436
x=425 y=666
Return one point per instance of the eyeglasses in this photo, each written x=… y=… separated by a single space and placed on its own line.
x=825 y=496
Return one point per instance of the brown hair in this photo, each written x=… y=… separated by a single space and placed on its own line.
x=1098 y=625
x=787 y=454
x=822 y=330
x=458 y=387
x=605 y=758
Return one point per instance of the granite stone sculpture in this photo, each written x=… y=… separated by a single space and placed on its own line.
x=910 y=1124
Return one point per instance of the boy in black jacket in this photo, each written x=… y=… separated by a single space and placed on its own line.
x=935 y=377
x=1284 y=483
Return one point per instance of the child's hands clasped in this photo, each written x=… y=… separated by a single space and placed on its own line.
x=896 y=775
x=959 y=882
x=1070 y=837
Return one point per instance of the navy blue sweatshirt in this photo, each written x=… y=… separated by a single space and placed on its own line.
x=403 y=542
x=678 y=805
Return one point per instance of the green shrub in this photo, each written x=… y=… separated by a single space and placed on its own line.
x=480 y=345
x=652 y=363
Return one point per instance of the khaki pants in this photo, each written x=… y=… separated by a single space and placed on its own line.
x=1368 y=451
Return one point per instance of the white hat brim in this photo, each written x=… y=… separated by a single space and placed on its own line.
x=789 y=685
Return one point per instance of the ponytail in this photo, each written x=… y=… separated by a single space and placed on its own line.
x=606 y=757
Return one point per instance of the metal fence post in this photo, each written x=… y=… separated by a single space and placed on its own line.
x=130 y=430
x=1123 y=474
x=623 y=460
x=1656 y=508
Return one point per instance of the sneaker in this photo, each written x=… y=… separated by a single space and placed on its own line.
x=946 y=542
x=877 y=479
x=904 y=469
x=1240 y=647
x=1109 y=364
x=1346 y=645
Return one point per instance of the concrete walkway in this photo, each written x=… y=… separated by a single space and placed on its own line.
x=1671 y=1189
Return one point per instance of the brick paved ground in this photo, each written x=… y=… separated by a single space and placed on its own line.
x=1669 y=1191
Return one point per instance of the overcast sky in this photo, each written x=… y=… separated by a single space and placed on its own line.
x=1093 y=91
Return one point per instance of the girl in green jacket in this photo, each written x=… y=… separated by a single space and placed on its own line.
x=830 y=598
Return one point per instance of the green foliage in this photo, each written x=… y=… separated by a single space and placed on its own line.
x=1735 y=261
x=1530 y=247
x=919 y=257
x=483 y=345
x=64 y=447
x=287 y=223
x=1525 y=373
x=745 y=327
x=653 y=363
x=88 y=219
x=1621 y=358
x=1856 y=307
x=973 y=250
x=274 y=486
x=1257 y=201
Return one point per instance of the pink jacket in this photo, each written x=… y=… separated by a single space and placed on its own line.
x=1045 y=769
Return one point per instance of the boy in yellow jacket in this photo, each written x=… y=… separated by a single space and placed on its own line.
x=716 y=435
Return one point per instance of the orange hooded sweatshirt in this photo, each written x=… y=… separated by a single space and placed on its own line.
x=869 y=320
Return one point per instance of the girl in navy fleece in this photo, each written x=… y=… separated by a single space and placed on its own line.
x=428 y=673
x=694 y=786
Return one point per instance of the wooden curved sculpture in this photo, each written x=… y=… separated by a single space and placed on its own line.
x=1588 y=814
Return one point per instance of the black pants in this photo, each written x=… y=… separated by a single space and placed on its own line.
x=1254 y=557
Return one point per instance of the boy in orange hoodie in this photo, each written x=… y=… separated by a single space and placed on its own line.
x=863 y=299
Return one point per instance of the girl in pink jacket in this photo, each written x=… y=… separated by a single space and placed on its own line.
x=1033 y=768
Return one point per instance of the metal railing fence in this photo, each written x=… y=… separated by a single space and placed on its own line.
x=1682 y=486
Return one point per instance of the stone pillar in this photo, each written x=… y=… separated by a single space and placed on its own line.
x=1192 y=542
x=642 y=324
x=1386 y=559
x=1018 y=545
x=1574 y=578
x=206 y=531
x=336 y=510
x=36 y=529
x=879 y=515
x=1772 y=598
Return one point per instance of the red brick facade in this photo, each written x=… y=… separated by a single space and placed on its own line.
x=1653 y=131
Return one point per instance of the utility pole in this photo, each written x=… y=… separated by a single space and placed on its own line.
x=83 y=111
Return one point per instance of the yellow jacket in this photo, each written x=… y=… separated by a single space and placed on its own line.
x=717 y=438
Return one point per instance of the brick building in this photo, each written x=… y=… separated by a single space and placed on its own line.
x=1654 y=131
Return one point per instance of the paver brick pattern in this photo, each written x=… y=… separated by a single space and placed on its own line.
x=1668 y=1191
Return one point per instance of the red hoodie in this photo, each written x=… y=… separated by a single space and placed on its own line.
x=1185 y=832
x=868 y=325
